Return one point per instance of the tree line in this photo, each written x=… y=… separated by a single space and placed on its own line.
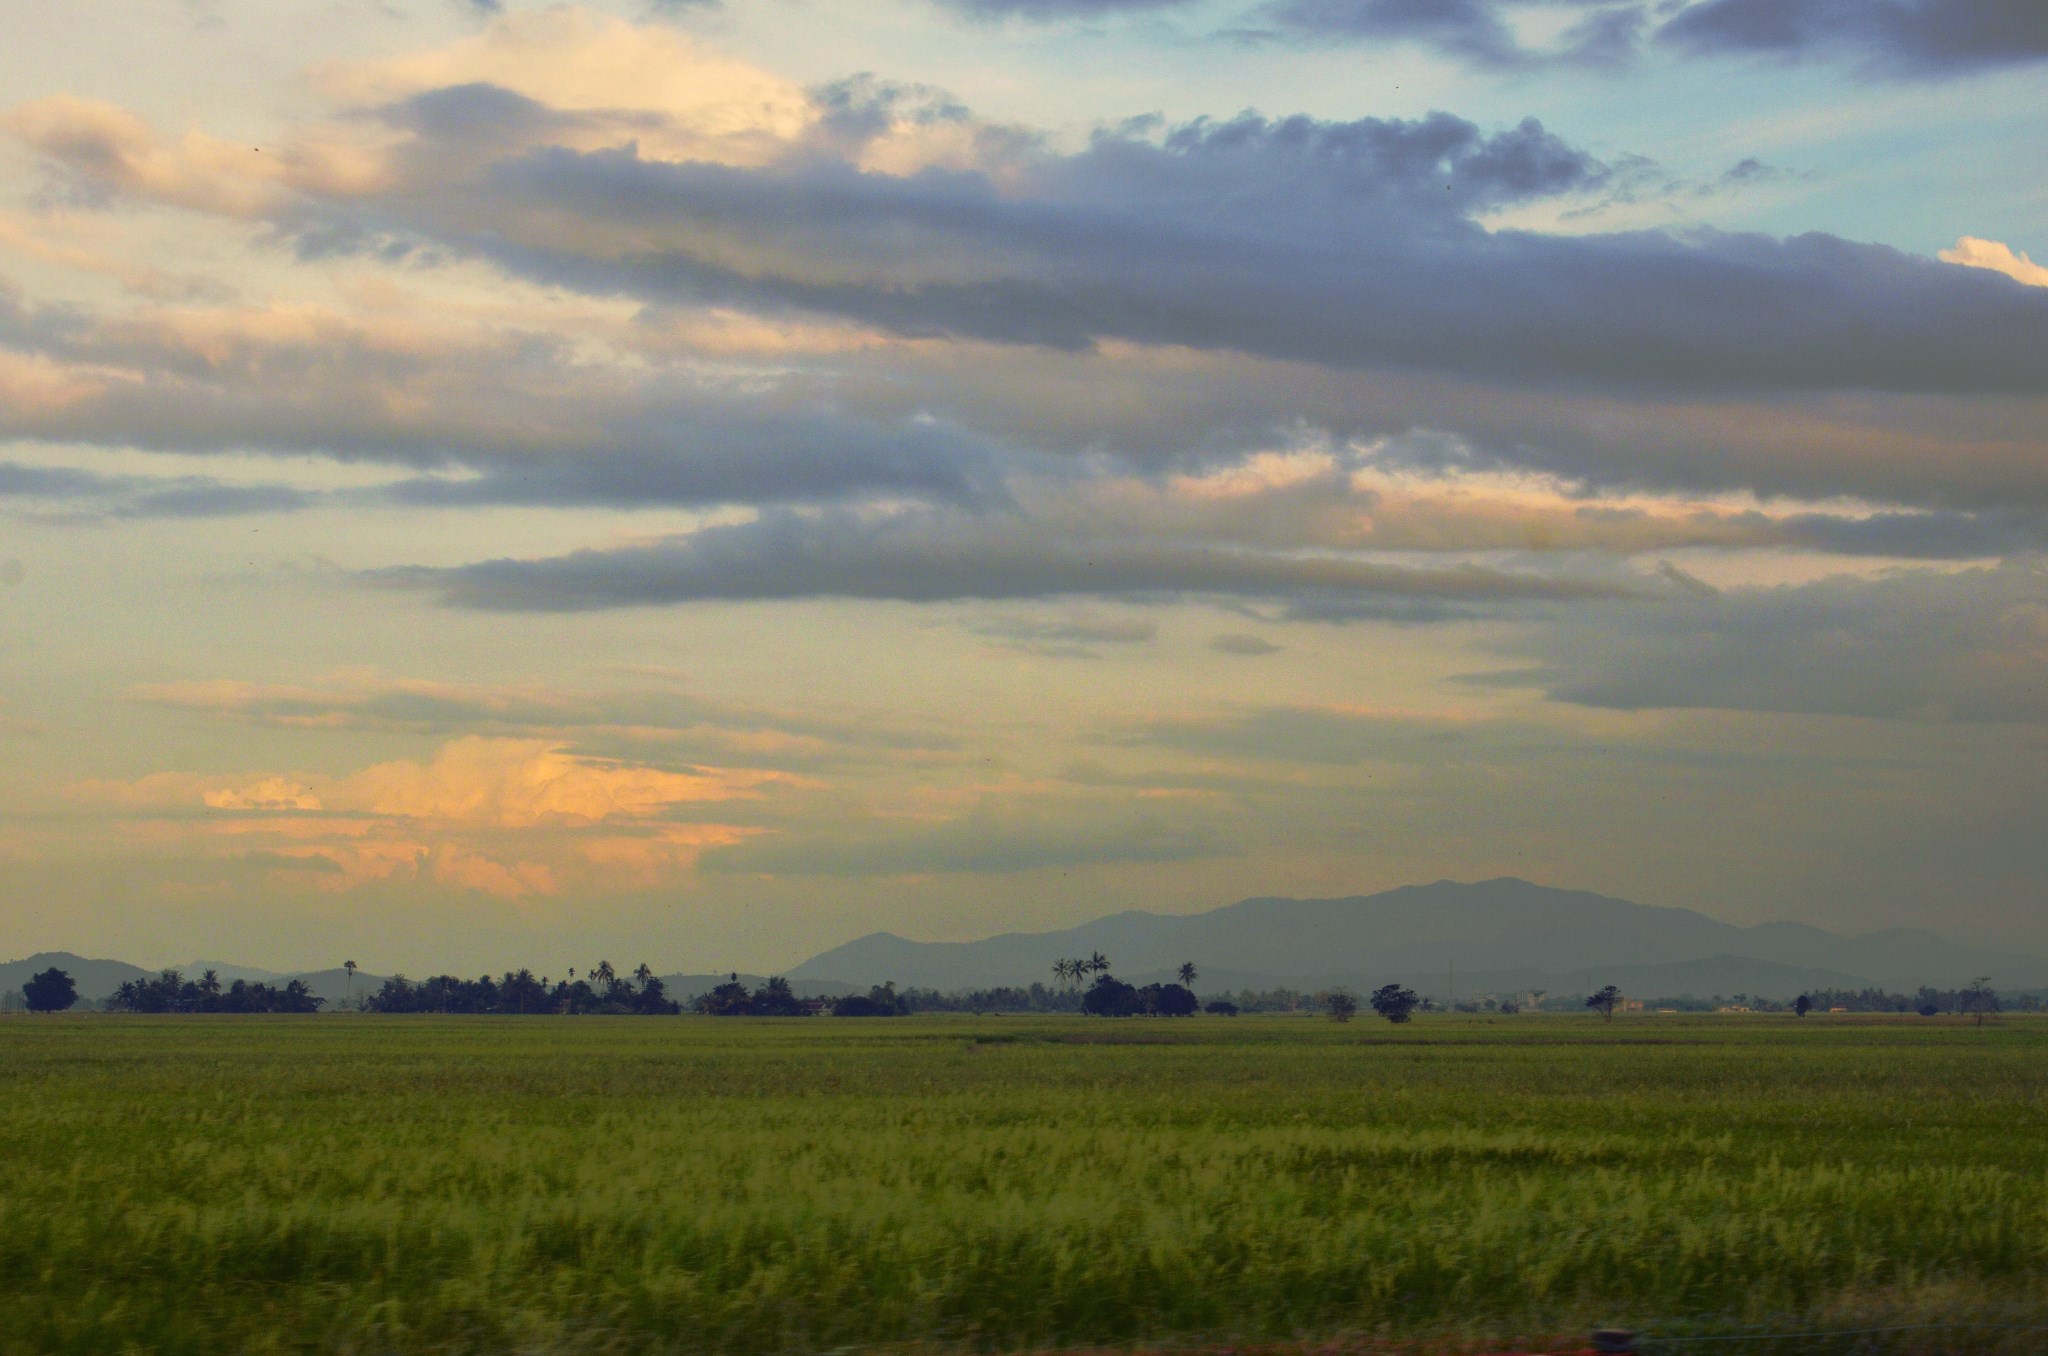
x=603 y=991
x=171 y=991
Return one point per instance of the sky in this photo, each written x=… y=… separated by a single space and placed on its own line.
x=487 y=484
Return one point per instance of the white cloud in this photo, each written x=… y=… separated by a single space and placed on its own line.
x=1997 y=256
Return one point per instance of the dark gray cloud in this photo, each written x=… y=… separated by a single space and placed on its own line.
x=1897 y=37
x=1477 y=31
x=1237 y=642
x=742 y=451
x=516 y=418
x=1377 y=259
x=1919 y=645
x=92 y=495
x=1900 y=38
x=929 y=557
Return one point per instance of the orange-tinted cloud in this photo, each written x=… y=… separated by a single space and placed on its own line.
x=506 y=817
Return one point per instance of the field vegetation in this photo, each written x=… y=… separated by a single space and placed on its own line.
x=448 y=1184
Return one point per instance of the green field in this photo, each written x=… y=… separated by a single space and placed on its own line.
x=392 y=1185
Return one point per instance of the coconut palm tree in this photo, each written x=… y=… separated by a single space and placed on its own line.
x=1059 y=971
x=1187 y=975
x=350 y=966
x=1099 y=963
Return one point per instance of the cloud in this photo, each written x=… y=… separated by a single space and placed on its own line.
x=708 y=287
x=1476 y=31
x=582 y=62
x=498 y=415
x=987 y=842
x=1071 y=638
x=1380 y=259
x=1894 y=37
x=511 y=818
x=1899 y=38
x=659 y=713
x=1972 y=252
x=1045 y=11
x=102 y=496
x=1235 y=642
x=926 y=557
x=1970 y=645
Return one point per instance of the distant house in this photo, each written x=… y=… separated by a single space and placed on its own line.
x=1732 y=1007
x=1838 y=1009
x=1667 y=1012
x=1629 y=1005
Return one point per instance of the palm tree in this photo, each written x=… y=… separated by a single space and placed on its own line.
x=350 y=966
x=644 y=973
x=1187 y=975
x=1059 y=971
x=1099 y=963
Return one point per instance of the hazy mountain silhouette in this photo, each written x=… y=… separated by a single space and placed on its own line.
x=1501 y=935
x=98 y=978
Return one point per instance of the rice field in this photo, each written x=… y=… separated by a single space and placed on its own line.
x=452 y=1185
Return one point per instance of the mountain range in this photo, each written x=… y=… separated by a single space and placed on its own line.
x=1497 y=936
x=1503 y=936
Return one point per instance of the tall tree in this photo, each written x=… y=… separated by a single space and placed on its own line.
x=1394 y=1003
x=1979 y=1000
x=51 y=991
x=1187 y=974
x=1605 y=1001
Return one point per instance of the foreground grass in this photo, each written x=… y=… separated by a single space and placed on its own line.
x=455 y=1185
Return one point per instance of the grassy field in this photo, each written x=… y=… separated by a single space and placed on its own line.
x=396 y=1185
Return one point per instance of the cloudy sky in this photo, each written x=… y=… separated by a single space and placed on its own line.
x=489 y=483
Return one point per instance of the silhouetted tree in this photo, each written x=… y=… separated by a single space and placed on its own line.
x=1187 y=974
x=1341 y=1005
x=880 y=1001
x=1605 y=1000
x=776 y=999
x=1109 y=996
x=1978 y=999
x=1394 y=1003
x=1801 y=1006
x=1222 y=1007
x=1168 y=1000
x=51 y=991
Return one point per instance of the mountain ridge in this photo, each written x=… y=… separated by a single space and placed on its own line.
x=1505 y=932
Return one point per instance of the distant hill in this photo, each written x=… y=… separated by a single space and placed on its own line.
x=96 y=979
x=1501 y=935
x=1504 y=936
